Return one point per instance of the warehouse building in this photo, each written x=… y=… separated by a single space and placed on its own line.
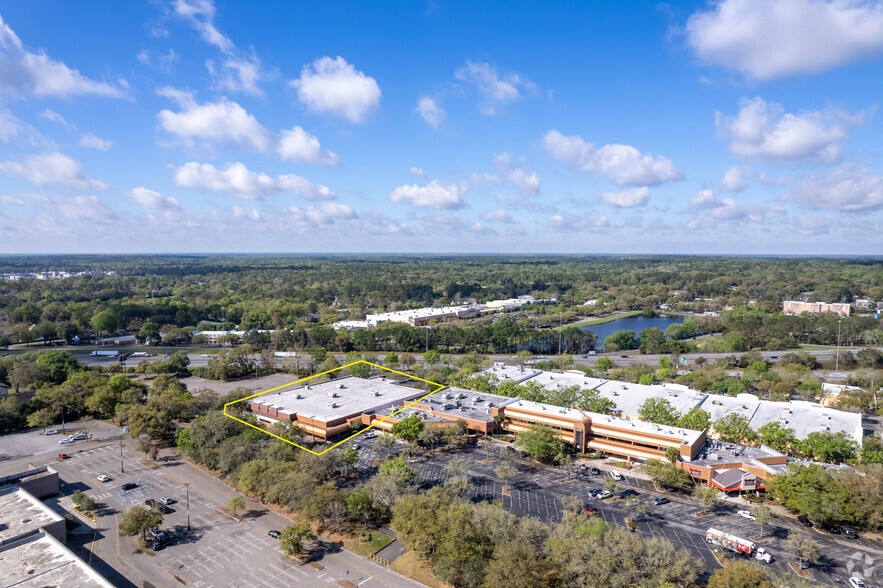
x=32 y=550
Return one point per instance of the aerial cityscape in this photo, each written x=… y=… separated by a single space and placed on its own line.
x=442 y=294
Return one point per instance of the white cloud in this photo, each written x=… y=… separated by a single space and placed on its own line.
x=496 y=90
x=515 y=171
x=764 y=132
x=374 y=222
x=299 y=146
x=815 y=225
x=184 y=98
x=201 y=14
x=10 y=201
x=92 y=142
x=628 y=198
x=849 y=188
x=431 y=112
x=322 y=214
x=151 y=199
x=334 y=86
x=419 y=172
x=162 y=62
x=24 y=73
x=52 y=169
x=86 y=208
x=705 y=199
x=569 y=223
x=729 y=209
x=735 y=179
x=496 y=215
x=620 y=164
x=237 y=180
x=56 y=118
x=223 y=122
x=435 y=194
x=238 y=74
x=785 y=37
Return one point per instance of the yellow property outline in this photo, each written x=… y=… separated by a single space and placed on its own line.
x=440 y=387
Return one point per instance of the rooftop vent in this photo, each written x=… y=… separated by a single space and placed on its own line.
x=332 y=405
x=298 y=396
x=340 y=386
x=309 y=387
x=376 y=393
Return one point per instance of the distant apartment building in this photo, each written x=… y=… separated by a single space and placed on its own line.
x=793 y=307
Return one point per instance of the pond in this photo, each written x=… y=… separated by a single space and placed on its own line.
x=632 y=323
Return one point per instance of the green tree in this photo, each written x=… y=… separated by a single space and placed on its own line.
x=829 y=447
x=149 y=333
x=431 y=357
x=517 y=564
x=659 y=411
x=359 y=506
x=104 y=322
x=636 y=506
x=391 y=360
x=603 y=364
x=762 y=516
x=385 y=441
x=505 y=471
x=666 y=474
x=672 y=455
x=776 y=435
x=293 y=537
x=739 y=574
x=812 y=491
x=802 y=546
x=349 y=457
x=539 y=441
x=409 y=428
x=83 y=501
x=707 y=496
x=139 y=520
x=620 y=341
x=695 y=419
x=734 y=428
x=236 y=504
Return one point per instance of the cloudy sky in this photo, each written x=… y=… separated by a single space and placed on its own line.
x=737 y=126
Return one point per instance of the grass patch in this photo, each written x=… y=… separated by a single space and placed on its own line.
x=606 y=319
x=378 y=541
x=421 y=571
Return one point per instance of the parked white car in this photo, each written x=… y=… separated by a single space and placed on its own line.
x=103 y=478
x=65 y=442
x=76 y=437
x=857 y=583
x=51 y=432
x=746 y=514
x=616 y=476
x=605 y=494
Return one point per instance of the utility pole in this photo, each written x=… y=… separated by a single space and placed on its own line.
x=187 y=487
x=122 y=469
x=837 y=362
x=560 y=324
x=62 y=420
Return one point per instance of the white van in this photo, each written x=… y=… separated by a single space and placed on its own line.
x=616 y=476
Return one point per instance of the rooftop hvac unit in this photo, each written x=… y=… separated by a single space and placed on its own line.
x=340 y=386
x=375 y=393
x=716 y=402
x=623 y=387
x=487 y=410
x=298 y=396
x=394 y=382
x=309 y=387
x=461 y=395
x=332 y=405
x=332 y=395
x=744 y=407
x=490 y=403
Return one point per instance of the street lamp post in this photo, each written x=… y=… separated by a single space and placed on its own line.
x=122 y=469
x=187 y=486
x=837 y=361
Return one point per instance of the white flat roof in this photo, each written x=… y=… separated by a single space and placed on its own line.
x=553 y=380
x=687 y=435
x=511 y=372
x=43 y=561
x=21 y=512
x=806 y=417
x=354 y=397
x=719 y=406
x=629 y=397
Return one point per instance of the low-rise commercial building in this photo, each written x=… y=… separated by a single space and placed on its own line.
x=420 y=317
x=796 y=307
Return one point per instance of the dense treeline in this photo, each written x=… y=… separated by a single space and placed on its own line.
x=166 y=293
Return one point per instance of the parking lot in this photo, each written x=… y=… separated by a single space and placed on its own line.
x=536 y=491
x=217 y=550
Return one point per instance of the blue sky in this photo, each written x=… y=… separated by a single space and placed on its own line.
x=199 y=126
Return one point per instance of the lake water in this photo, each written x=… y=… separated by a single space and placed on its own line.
x=633 y=323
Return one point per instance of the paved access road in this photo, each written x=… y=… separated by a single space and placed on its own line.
x=536 y=491
x=217 y=551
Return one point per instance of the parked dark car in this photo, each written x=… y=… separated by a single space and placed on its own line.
x=150 y=502
x=165 y=509
x=156 y=545
x=660 y=500
x=804 y=521
x=594 y=492
x=129 y=486
x=274 y=534
x=627 y=492
x=848 y=533
x=594 y=471
x=833 y=529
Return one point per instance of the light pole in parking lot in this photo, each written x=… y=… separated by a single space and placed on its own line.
x=837 y=361
x=187 y=487
x=122 y=469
